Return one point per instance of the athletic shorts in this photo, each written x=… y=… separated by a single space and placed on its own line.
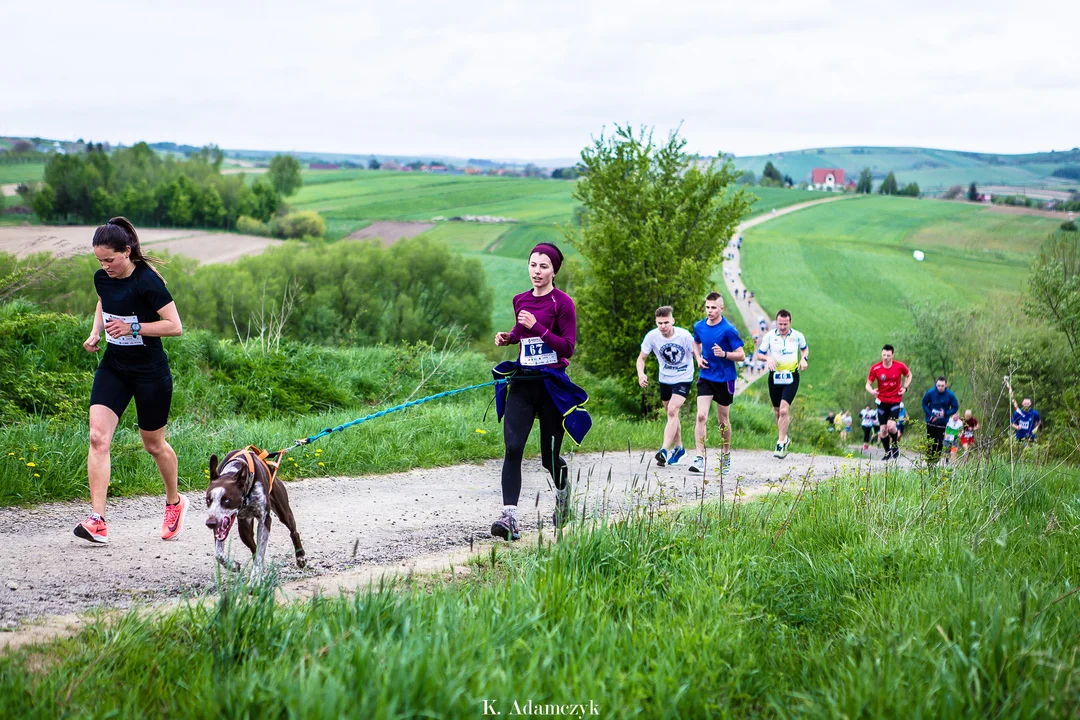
x=722 y=392
x=778 y=393
x=966 y=439
x=153 y=398
x=669 y=389
x=887 y=411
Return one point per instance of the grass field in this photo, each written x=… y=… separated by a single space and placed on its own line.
x=21 y=172
x=932 y=169
x=845 y=271
x=891 y=595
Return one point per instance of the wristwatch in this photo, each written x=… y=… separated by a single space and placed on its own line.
x=135 y=328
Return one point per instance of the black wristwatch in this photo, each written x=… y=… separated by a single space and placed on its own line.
x=135 y=328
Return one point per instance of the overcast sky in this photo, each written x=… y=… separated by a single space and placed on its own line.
x=474 y=78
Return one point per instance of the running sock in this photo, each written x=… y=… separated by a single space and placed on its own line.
x=512 y=509
x=95 y=516
x=885 y=441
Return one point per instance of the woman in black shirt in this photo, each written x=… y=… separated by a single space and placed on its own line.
x=135 y=311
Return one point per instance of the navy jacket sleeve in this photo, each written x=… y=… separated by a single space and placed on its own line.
x=926 y=404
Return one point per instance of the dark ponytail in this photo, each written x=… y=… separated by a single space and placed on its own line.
x=118 y=235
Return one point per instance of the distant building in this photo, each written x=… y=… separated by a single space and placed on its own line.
x=438 y=168
x=850 y=186
x=827 y=178
x=324 y=166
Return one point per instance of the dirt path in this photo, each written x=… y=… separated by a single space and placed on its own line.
x=8 y=189
x=353 y=528
x=750 y=310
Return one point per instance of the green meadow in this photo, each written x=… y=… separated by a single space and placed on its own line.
x=846 y=270
x=21 y=172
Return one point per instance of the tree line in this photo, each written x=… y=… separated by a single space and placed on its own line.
x=149 y=189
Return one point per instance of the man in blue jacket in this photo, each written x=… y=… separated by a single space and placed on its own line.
x=938 y=405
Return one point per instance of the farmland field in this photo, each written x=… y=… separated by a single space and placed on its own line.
x=846 y=269
x=21 y=172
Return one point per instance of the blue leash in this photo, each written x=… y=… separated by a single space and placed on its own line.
x=387 y=411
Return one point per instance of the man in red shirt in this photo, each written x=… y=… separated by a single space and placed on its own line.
x=892 y=378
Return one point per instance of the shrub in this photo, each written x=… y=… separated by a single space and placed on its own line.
x=1068 y=226
x=250 y=226
x=306 y=223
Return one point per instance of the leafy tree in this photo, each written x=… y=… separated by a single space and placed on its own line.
x=788 y=181
x=973 y=193
x=771 y=173
x=285 y=175
x=866 y=182
x=373 y=163
x=44 y=204
x=952 y=193
x=211 y=208
x=266 y=201
x=909 y=190
x=889 y=186
x=1054 y=285
x=646 y=206
x=747 y=178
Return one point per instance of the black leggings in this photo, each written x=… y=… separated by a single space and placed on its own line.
x=525 y=399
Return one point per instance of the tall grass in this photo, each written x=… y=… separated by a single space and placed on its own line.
x=895 y=595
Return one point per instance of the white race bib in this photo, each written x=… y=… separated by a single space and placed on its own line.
x=535 y=352
x=127 y=339
x=783 y=377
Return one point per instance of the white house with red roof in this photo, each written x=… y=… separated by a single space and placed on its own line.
x=827 y=178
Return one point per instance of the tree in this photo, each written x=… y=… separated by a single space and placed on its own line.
x=889 y=186
x=771 y=174
x=284 y=175
x=909 y=190
x=748 y=177
x=373 y=163
x=1054 y=285
x=953 y=192
x=266 y=201
x=788 y=181
x=866 y=182
x=973 y=193
x=44 y=203
x=646 y=206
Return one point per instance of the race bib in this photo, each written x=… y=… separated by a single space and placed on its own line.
x=535 y=352
x=783 y=377
x=127 y=339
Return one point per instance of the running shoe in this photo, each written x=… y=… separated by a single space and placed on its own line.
x=698 y=466
x=865 y=447
x=93 y=529
x=676 y=455
x=781 y=449
x=563 y=511
x=661 y=457
x=506 y=527
x=174 y=519
x=725 y=463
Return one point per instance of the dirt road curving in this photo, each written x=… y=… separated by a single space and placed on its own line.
x=68 y=240
x=352 y=528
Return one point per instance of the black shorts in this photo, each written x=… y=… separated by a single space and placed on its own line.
x=786 y=393
x=153 y=398
x=887 y=411
x=669 y=389
x=722 y=392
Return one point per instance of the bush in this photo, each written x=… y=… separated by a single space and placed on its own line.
x=1068 y=226
x=250 y=226
x=953 y=193
x=306 y=223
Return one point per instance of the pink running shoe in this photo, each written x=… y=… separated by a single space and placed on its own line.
x=174 y=519
x=93 y=529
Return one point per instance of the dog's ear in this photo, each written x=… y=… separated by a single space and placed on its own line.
x=213 y=467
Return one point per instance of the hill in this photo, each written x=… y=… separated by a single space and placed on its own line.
x=934 y=170
x=846 y=272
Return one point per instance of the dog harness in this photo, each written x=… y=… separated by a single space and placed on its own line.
x=252 y=455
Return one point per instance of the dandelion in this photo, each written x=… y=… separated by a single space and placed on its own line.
x=482 y=431
x=318 y=450
x=322 y=464
x=36 y=475
x=31 y=464
x=11 y=454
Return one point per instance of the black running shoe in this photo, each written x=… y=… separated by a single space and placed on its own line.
x=506 y=527
x=661 y=457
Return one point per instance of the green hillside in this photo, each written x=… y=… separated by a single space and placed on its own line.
x=845 y=270
x=932 y=169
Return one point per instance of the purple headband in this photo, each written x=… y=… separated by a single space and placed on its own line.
x=553 y=254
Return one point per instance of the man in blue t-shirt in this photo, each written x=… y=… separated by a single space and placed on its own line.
x=1026 y=421
x=718 y=347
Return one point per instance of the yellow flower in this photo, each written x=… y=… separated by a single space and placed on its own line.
x=10 y=454
x=31 y=464
x=36 y=475
x=322 y=464
x=318 y=450
x=481 y=431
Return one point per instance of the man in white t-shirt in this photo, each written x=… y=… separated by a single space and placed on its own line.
x=675 y=352
x=785 y=352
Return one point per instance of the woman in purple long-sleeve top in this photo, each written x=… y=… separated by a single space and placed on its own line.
x=546 y=329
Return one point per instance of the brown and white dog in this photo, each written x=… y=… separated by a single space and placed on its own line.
x=241 y=492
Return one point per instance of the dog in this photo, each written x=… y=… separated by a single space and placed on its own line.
x=242 y=489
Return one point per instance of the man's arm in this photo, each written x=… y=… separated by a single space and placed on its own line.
x=701 y=361
x=643 y=381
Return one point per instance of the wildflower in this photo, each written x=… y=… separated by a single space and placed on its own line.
x=322 y=464
x=482 y=431
x=31 y=464
x=10 y=454
x=318 y=450
x=36 y=475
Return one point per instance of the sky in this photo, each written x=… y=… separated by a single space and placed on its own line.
x=536 y=80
